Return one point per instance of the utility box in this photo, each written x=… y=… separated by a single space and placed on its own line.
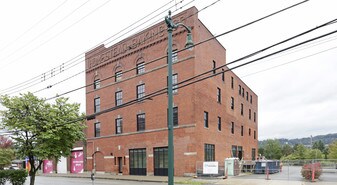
x=232 y=166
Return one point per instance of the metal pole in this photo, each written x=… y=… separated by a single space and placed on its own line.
x=170 y=103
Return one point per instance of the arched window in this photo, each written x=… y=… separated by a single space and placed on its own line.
x=97 y=83
x=140 y=66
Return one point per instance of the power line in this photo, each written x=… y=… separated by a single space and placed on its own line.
x=214 y=37
x=43 y=76
x=206 y=40
x=304 y=47
x=292 y=61
x=56 y=72
x=45 y=31
x=164 y=90
x=34 y=25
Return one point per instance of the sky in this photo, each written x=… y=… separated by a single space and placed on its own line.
x=297 y=90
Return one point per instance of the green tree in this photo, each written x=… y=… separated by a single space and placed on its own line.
x=42 y=130
x=272 y=149
x=6 y=157
x=333 y=150
x=6 y=152
x=318 y=145
x=287 y=150
x=300 y=152
x=314 y=154
x=261 y=151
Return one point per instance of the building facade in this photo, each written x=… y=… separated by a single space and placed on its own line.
x=214 y=118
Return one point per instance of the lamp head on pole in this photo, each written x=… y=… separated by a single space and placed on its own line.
x=189 y=42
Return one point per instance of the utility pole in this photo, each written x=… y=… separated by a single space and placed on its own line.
x=189 y=44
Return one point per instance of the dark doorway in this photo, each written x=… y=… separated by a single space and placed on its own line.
x=160 y=161
x=137 y=161
x=240 y=152
x=120 y=164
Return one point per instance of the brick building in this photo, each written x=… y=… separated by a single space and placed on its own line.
x=213 y=119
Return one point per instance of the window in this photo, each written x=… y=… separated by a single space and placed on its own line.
x=219 y=123
x=247 y=96
x=241 y=109
x=232 y=82
x=175 y=116
x=232 y=127
x=174 y=56
x=250 y=114
x=253 y=153
x=206 y=119
x=251 y=99
x=118 y=76
x=97 y=129
x=160 y=159
x=214 y=66
x=218 y=95
x=239 y=89
x=97 y=84
x=250 y=132
x=140 y=91
x=209 y=152
x=119 y=125
x=137 y=159
x=234 y=151
x=119 y=98
x=243 y=92
x=232 y=103
x=141 y=122
x=254 y=116
x=174 y=83
x=97 y=103
x=241 y=130
x=140 y=68
x=254 y=134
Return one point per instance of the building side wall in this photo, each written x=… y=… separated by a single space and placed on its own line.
x=192 y=100
x=206 y=91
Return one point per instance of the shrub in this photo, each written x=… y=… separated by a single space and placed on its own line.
x=308 y=168
x=16 y=177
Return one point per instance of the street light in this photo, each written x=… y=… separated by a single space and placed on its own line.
x=189 y=45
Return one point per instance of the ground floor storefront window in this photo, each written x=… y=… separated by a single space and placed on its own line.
x=160 y=161
x=137 y=161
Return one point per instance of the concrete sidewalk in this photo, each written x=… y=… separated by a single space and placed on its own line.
x=178 y=180
x=191 y=180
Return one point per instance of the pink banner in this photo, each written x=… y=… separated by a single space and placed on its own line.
x=48 y=166
x=76 y=162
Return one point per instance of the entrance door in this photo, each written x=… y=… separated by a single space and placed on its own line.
x=160 y=161
x=120 y=164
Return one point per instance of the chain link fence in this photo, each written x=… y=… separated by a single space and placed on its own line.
x=289 y=170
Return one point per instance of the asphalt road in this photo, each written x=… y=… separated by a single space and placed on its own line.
x=40 y=180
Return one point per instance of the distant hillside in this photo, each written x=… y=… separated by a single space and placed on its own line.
x=326 y=139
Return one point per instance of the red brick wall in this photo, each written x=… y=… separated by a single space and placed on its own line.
x=190 y=135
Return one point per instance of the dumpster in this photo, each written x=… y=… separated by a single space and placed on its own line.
x=261 y=166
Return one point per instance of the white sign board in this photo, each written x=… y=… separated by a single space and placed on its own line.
x=210 y=167
x=263 y=164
